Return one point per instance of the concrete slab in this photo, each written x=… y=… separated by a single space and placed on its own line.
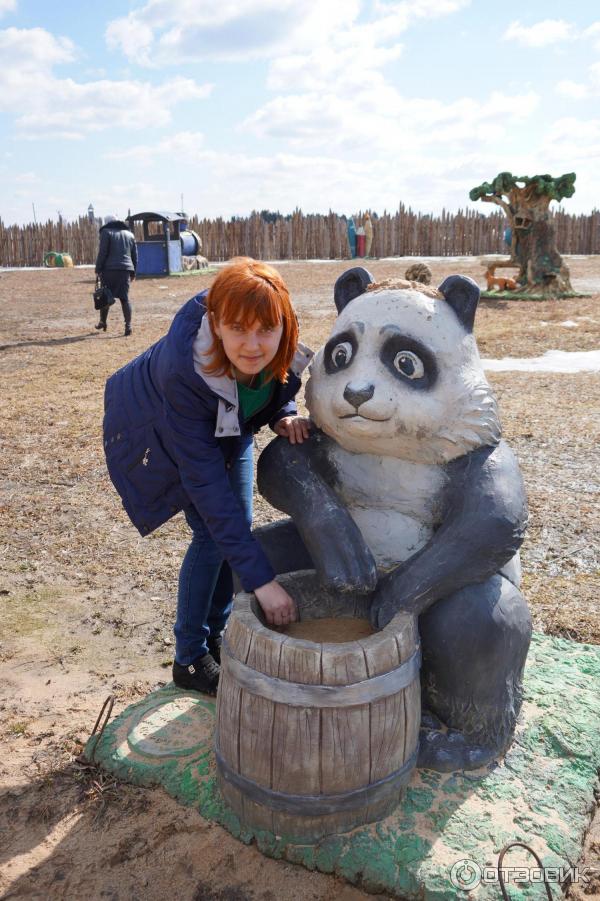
x=449 y=829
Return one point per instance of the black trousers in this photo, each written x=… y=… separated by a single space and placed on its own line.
x=118 y=282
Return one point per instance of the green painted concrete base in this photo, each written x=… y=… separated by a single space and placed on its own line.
x=541 y=793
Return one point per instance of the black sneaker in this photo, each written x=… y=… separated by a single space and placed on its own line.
x=200 y=675
x=214 y=647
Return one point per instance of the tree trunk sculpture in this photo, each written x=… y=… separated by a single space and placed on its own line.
x=533 y=243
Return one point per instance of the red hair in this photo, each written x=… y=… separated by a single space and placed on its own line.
x=246 y=290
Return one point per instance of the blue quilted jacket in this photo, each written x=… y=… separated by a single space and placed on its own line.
x=170 y=435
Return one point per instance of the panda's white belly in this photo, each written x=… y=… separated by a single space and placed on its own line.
x=395 y=503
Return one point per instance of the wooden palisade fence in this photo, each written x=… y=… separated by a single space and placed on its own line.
x=305 y=237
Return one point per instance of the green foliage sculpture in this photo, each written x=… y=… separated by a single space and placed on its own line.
x=525 y=201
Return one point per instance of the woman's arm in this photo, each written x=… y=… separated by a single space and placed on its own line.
x=102 y=251
x=204 y=477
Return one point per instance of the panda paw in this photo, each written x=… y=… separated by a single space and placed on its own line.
x=343 y=561
x=347 y=579
x=385 y=607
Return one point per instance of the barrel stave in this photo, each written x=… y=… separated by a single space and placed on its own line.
x=239 y=634
x=297 y=736
x=257 y=720
x=406 y=634
x=228 y=715
x=344 y=757
x=387 y=739
x=297 y=730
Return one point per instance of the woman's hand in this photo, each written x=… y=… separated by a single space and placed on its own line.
x=279 y=608
x=295 y=428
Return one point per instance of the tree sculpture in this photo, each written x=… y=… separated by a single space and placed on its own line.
x=532 y=243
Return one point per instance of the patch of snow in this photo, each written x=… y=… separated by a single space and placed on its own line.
x=568 y=323
x=551 y=361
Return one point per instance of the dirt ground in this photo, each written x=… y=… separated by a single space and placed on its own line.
x=87 y=605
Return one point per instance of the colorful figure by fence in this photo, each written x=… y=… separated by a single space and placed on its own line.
x=352 y=237
x=406 y=490
x=360 y=241
x=368 y=227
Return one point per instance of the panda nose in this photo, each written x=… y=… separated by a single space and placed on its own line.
x=358 y=394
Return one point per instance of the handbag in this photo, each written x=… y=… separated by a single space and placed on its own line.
x=103 y=296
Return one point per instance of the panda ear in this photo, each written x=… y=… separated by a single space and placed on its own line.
x=351 y=284
x=462 y=294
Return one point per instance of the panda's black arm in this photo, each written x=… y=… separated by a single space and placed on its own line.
x=297 y=479
x=484 y=520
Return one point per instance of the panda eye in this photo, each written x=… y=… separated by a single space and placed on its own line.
x=409 y=364
x=341 y=355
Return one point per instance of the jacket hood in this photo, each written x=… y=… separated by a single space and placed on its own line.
x=115 y=225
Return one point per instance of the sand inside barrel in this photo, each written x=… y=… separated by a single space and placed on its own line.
x=330 y=629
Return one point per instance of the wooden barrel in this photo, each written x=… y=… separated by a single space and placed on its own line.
x=315 y=738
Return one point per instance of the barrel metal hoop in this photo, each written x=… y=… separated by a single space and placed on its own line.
x=317 y=805
x=297 y=694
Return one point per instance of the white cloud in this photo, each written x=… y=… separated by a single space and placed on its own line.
x=313 y=181
x=593 y=32
x=572 y=89
x=46 y=105
x=397 y=17
x=573 y=144
x=541 y=34
x=99 y=105
x=351 y=56
x=34 y=49
x=185 y=146
x=578 y=90
x=26 y=178
x=575 y=131
x=376 y=148
x=595 y=74
x=386 y=121
x=162 y=33
x=324 y=69
x=7 y=6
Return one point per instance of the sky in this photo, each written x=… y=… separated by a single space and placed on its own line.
x=238 y=105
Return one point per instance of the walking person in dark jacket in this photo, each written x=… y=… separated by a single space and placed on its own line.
x=116 y=264
x=178 y=435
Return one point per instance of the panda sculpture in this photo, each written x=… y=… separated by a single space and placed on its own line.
x=406 y=491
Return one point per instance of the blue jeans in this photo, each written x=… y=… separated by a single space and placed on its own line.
x=205 y=594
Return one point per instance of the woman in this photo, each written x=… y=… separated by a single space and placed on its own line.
x=116 y=264
x=178 y=435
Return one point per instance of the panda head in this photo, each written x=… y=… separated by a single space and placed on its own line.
x=400 y=375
